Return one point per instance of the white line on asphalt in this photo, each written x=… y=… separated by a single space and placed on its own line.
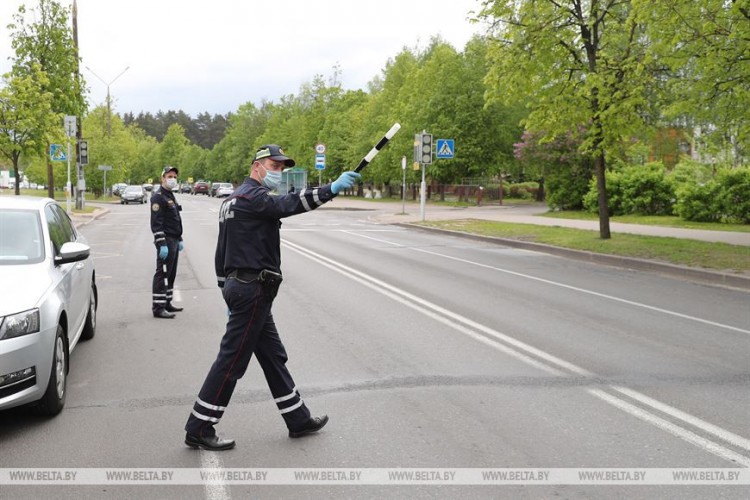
x=563 y=285
x=216 y=489
x=727 y=436
x=673 y=429
x=464 y=325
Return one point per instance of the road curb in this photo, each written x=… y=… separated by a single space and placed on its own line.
x=687 y=273
x=81 y=220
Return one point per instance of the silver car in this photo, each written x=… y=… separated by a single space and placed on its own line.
x=133 y=194
x=48 y=301
x=225 y=189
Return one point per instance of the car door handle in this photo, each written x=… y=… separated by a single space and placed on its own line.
x=80 y=265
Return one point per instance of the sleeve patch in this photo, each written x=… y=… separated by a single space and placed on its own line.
x=155 y=207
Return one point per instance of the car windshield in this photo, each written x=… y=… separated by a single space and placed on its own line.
x=133 y=189
x=20 y=237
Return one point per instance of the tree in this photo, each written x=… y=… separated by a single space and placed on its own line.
x=578 y=64
x=110 y=143
x=26 y=118
x=48 y=42
x=172 y=147
x=706 y=47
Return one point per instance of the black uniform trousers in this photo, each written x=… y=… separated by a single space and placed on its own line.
x=166 y=271
x=250 y=329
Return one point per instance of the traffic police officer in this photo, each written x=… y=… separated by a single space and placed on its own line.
x=248 y=268
x=166 y=224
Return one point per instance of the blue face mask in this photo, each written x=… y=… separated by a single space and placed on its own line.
x=272 y=179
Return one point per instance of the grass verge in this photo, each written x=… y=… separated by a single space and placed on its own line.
x=692 y=253
x=652 y=220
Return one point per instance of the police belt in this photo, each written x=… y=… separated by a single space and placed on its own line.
x=265 y=276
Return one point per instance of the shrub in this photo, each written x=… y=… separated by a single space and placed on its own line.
x=566 y=187
x=523 y=190
x=642 y=189
x=725 y=198
x=690 y=172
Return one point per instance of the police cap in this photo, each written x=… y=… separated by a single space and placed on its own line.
x=274 y=152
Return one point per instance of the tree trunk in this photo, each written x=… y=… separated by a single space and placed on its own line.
x=17 y=187
x=601 y=186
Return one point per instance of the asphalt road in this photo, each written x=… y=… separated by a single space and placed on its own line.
x=428 y=352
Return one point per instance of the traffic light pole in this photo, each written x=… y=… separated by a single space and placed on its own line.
x=69 y=122
x=425 y=158
x=422 y=194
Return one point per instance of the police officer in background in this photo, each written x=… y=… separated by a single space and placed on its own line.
x=166 y=224
x=248 y=269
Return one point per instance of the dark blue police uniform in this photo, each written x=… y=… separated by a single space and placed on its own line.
x=166 y=225
x=248 y=244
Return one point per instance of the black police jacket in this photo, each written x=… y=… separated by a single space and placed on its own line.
x=249 y=224
x=165 y=216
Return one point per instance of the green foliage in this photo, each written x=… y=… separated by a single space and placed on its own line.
x=702 y=48
x=27 y=121
x=640 y=189
x=48 y=42
x=722 y=199
x=689 y=172
x=566 y=187
x=521 y=190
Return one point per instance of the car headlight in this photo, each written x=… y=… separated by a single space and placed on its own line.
x=19 y=324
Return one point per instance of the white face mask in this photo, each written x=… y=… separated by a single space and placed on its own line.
x=171 y=183
x=272 y=179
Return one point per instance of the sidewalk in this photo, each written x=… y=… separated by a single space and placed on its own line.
x=391 y=213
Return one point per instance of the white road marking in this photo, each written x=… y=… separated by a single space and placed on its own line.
x=569 y=287
x=673 y=429
x=215 y=489
x=465 y=326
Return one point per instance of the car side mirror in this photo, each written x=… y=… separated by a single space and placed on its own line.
x=72 y=252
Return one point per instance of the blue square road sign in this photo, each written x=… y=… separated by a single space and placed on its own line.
x=445 y=148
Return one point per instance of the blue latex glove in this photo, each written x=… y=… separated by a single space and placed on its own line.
x=345 y=181
x=163 y=252
x=181 y=247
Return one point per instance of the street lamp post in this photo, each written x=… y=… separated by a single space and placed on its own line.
x=109 y=100
x=403 y=185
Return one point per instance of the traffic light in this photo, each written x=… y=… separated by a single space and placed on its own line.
x=425 y=142
x=83 y=152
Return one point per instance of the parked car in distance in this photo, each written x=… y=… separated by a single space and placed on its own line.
x=148 y=187
x=133 y=194
x=185 y=187
x=51 y=305
x=117 y=188
x=200 y=187
x=225 y=189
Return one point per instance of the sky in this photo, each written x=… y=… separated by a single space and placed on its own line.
x=215 y=55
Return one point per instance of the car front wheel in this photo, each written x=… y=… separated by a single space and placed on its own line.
x=54 y=397
x=89 y=327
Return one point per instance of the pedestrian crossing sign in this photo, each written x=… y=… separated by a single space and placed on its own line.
x=445 y=148
x=57 y=153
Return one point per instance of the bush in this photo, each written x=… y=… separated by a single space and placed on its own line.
x=725 y=198
x=690 y=172
x=642 y=190
x=566 y=187
x=522 y=191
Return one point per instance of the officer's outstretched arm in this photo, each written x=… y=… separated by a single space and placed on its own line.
x=345 y=181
